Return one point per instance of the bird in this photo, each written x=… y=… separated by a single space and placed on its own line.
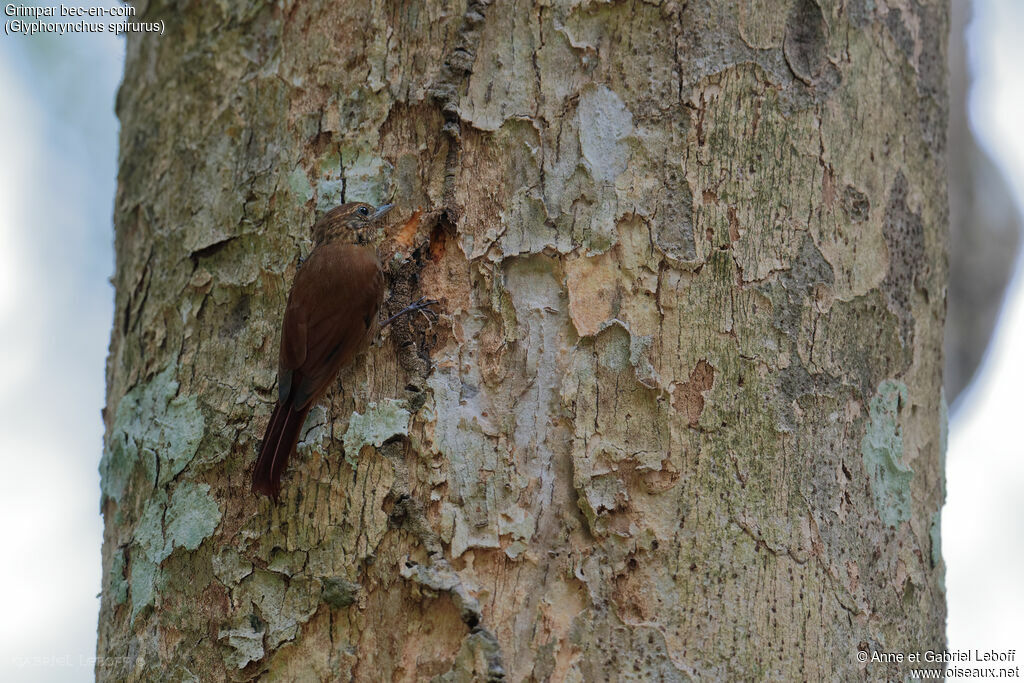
x=331 y=316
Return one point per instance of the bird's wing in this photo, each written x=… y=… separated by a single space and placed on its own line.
x=331 y=310
x=293 y=346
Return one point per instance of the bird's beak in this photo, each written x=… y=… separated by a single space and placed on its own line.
x=381 y=210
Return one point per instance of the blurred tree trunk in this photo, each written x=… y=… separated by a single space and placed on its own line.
x=681 y=415
x=984 y=230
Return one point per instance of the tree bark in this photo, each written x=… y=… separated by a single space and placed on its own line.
x=681 y=416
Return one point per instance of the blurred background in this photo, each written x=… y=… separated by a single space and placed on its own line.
x=58 y=165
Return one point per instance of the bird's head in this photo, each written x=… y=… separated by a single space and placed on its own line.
x=349 y=222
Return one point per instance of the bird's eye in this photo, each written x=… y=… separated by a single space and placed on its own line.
x=363 y=211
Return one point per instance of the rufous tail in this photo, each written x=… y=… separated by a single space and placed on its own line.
x=278 y=445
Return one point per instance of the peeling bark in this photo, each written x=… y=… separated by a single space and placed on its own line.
x=681 y=416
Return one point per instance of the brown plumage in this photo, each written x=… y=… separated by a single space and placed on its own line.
x=331 y=316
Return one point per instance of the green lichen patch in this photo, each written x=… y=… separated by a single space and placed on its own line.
x=380 y=422
x=230 y=567
x=935 y=535
x=190 y=517
x=245 y=639
x=155 y=427
x=288 y=563
x=149 y=532
x=299 y=185
x=185 y=521
x=143 y=584
x=330 y=184
x=367 y=177
x=526 y=229
x=882 y=450
x=339 y=592
x=284 y=604
x=624 y=431
x=118 y=585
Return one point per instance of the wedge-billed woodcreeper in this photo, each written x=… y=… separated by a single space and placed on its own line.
x=331 y=316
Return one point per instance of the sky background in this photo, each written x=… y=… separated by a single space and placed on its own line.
x=58 y=164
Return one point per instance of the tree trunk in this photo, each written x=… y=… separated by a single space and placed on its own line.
x=985 y=228
x=681 y=415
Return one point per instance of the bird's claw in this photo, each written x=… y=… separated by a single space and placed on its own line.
x=422 y=306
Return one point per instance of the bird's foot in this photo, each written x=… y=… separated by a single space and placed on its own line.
x=421 y=306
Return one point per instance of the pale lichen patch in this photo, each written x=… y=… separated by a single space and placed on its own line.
x=380 y=422
x=367 y=177
x=298 y=183
x=116 y=581
x=155 y=427
x=605 y=126
x=458 y=433
x=230 y=567
x=244 y=640
x=143 y=584
x=882 y=450
x=314 y=432
x=330 y=186
x=185 y=521
x=525 y=228
x=282 y=604
x=935 y=537
x=621 y=428
x=497 y=90
x=190 y=517
x=465 y=535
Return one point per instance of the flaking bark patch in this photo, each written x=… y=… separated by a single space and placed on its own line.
x=688 y=397
x=805 y=41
